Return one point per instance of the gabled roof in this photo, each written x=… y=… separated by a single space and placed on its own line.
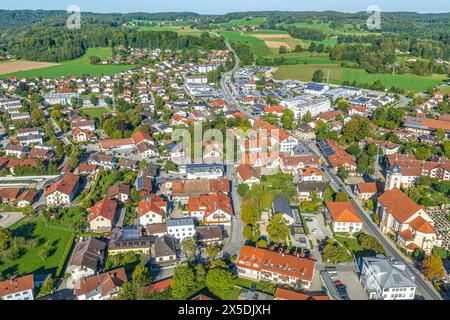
x=399 y=204
x=105 y=208
x=343 y=212
x=16 y=284
x=66 y=185
x=285 y=294
x=102 y=283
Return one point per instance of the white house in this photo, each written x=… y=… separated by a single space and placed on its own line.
x=386 y=279
x=17 y=288
x=62 y=192
x=87 y=259
x=344 y=216
x=181 y=228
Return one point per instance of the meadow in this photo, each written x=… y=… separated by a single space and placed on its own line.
x=338 y=75
x=182 y=30
x=94 y=112
x=30 y=261
x=76 y=67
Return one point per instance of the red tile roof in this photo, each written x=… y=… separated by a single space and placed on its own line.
x=16 y=284
x=343 y=212
x=285 y=294
x=66 y=185
x=398 y=204
x=105 y=208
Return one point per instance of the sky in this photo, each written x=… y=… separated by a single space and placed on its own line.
x=224 y=6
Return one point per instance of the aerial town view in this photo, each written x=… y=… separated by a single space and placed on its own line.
x=260 y=150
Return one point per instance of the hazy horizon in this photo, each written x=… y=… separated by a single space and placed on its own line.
x=209 y=7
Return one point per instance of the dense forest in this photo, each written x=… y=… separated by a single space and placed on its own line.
x=49 y=40
x=41 y=35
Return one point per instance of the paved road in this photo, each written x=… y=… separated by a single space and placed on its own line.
x=424 y=287
x=7 y=219
x=235 y=241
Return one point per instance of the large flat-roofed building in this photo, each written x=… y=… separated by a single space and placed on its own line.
x=203 y=171
x=301 y=105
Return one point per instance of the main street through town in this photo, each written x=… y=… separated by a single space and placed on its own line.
x=424 y=287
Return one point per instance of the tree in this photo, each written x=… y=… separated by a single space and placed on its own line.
x=212 y=251
x=440 y=133
x=423 y=153
x=312 y=47
x=94 y=59
x=221 y=283
x=433 y=267
x=262 y=244
x=5 y=239
x=278 y=228
x=341 y=197
x=126 y=292
x=282 y=50
x=141 y=278
x=368 y=242
x=47 y=287
x=287 y=118
x=242 y=189
x=318 y=76
x=189 y=247
x=249 y=211
x=183 y=282
x=441 y=252
x=335 y=253
x=343 y=173
x=418 y=254
x=354 y=150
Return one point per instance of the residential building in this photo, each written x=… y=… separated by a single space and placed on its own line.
x=102 y=216
x=62 y=192
x=103 y=286
x=248 y=174
x=281 y=205
x=302 y=105
x=120 y=192
x=209 y=234
x=202 y=171
x=88 y=257
x=287 y=294
x=213 y=208
x=386 y=279
x=265 y=265
x=181 y=229
x=344 y=216
x=17 y=288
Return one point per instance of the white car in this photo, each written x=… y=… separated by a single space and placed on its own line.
x=234 y=218
x=314 y=231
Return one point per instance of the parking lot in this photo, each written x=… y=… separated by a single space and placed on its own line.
x=316 y=226
x=7 y=219
x=350 y=281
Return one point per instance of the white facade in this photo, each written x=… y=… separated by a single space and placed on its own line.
x=181 y=229
x=58 y=198
x=301 y=105
x=22 y=295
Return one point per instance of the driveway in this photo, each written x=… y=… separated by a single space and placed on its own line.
x=7 y=219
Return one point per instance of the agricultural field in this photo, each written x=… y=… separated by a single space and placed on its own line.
x=162 y=22
x=258 y=46
x=305 y=72
x=242 y=22
x=338 y=75
x=182 y=30
x=76 y=67
x=31 y=261
x=94 y=112
x=7 y=67
x=276 y=40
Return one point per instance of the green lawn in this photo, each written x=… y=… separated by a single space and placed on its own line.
x=242 y=22
x=183 y=30
x=338 y=75
x=257 y=46
x=77 y=67
x=30 y=261
x=305 y=72
x=261 y=286
x=408 y=82
x=94 y=112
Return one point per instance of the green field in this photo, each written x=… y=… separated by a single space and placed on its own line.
x=305 y=72
x=76 y=67
x=182 y=30
x=94 y=112
x=338 y=75
x=166 y=23
x=257 y=46
x=242 y=22
x=30 y=261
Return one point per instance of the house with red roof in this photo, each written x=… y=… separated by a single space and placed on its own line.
x=17 y=288
x=62 y=192
x=152 y=210
x=276 y=267
x=212 y=208
x=410 y=224
x=102 y=215
x=248 y=175
x=344 y=217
